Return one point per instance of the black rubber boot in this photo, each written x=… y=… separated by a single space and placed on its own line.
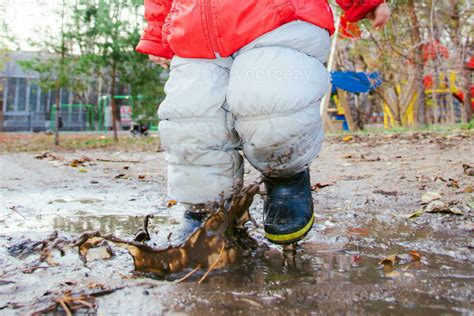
x=288 y=211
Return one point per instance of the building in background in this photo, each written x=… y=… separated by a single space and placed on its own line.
x=24 y=105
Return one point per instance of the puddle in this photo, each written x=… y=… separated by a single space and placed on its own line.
x=324 y=275
x=335 y=271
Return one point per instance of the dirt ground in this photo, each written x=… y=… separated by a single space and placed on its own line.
x=406 y=194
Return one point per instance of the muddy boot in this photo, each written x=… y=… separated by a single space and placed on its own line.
x=288 y=210
x=193 y=217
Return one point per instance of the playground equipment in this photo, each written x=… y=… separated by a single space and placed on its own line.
x=127 y=105
x=352 y=82
x=444 y=99
x=74 y=117
x=444 y=102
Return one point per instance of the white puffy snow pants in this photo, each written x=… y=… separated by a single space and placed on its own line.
x=264 y=100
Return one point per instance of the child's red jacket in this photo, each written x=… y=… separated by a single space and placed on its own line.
x=204 y=28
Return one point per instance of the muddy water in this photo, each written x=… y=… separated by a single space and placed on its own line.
x=336 y=269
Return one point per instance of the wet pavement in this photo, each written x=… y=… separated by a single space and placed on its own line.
x=374 y=184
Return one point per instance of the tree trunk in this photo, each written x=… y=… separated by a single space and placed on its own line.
x=419 y=67
x=112 y=102
x=58 y=117
x=467 y=92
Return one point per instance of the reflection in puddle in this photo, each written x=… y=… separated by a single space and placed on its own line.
x=334 y=270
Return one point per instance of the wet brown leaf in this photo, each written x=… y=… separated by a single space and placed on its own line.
x=441 y=207
x=468 y=169
x=316 y=187
x=49 y=156
x=171 y=203
x=79 y=162
x=141 y=177
x=218 y=242
x=440 y=179
x=415 y=255
x=452 y=183
x=468 y=189
x=390 y=260
x=122 y=176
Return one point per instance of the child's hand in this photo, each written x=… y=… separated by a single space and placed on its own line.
x=380 y=15
x=163 y=62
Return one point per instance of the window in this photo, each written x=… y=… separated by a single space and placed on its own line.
x=33 y=102
x=22 y=88
x=44 y=100
x=11 y=92
x=64 y=96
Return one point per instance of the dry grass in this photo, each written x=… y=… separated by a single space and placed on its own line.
x=28 y=142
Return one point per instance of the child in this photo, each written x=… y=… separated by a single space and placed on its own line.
x=245 y=75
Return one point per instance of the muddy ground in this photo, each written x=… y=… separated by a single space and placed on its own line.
x=374 y=184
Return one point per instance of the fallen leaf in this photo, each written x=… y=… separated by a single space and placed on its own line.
x=171 y=203
x=94 y=285
x=468 y=169
x=215 y=244
x=347 y=138
x=316 y=187
x=365 y=159
x=79 y=162
x=415 y=255
x=83 y=170
x=121 y=176
x=441 y=207
x=390 y=260
x=251 y=302
x=416 y=214
x=384 y=192
x=141 y=177
x=429 y=197
x=49 y=155
x=43 y=155
x=452 y=183
x=468 y=189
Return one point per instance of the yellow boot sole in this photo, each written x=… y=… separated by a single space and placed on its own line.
x=286 y=239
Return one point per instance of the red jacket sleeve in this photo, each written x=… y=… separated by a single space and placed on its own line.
x=356 y=10
x=152 y=41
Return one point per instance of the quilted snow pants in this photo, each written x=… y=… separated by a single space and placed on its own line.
x=263 y=101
